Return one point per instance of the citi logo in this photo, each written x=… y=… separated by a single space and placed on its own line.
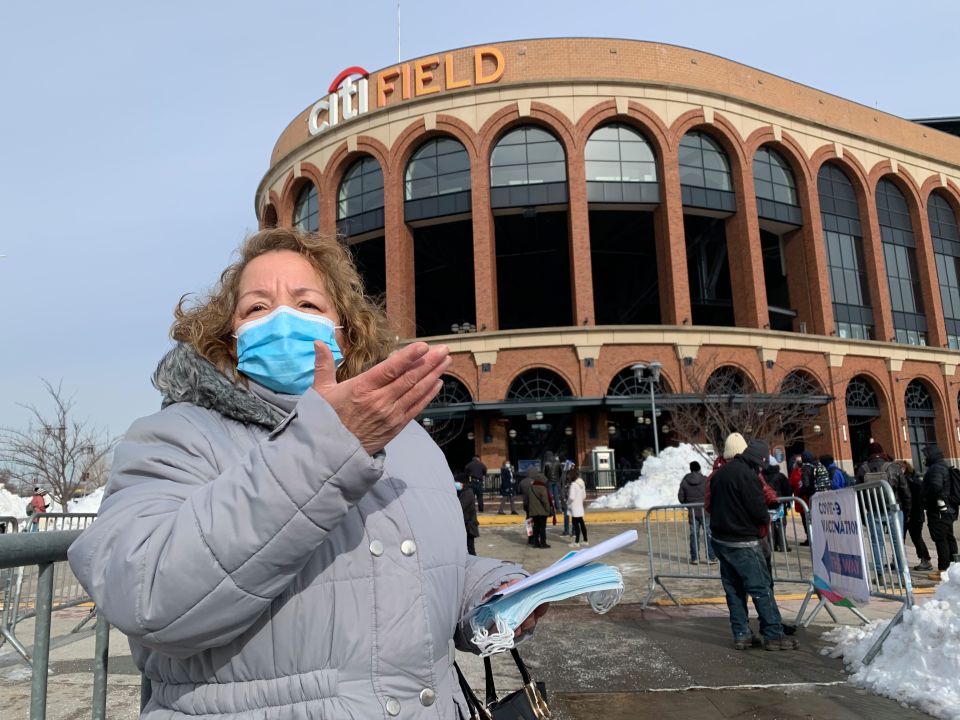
x=339 y=104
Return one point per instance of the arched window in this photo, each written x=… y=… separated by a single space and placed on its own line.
x=447 y=422
x=269 y=216
x=625 y=384
x=775 y=187
x=437 y=180
x=705 y=180
x=360 y=198
x=900 y=257
x=306 y=214
x=946 y=248
x=617 y=155
x=801 y=383
x=920 y=419
x=841 y=229
x=727 y=380
x=861 y=399
x=538 y=384
x=527 y=167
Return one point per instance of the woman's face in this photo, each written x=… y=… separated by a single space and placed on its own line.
x=282 y=277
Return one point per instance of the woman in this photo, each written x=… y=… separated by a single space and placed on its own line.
x=468 y=504
x=577 y=494
x=541 y=507
x=280 y=540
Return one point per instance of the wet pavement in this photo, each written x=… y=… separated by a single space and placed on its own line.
x=665 y=662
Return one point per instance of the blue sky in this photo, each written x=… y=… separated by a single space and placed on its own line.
x=133 y=136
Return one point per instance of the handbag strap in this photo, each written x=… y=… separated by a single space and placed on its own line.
x=488 y=673
x=476 y=708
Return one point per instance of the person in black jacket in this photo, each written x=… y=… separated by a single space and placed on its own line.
x=468 y=504
x=915 y=518
x=476 y=472
x=693 y=489
x=737 y=511
x=781 y=486
x=940 y=516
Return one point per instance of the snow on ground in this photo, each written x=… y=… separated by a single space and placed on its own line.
x=12 y=505
x=88 y=504
x=919 y=664
x=660 y=480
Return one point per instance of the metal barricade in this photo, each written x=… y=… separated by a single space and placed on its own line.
x=21 y=584
x=881 y=523
x=678 y=548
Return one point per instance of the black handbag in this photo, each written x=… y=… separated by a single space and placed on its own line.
x=527 y=703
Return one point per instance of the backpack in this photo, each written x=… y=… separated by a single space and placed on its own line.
x=884 y=473
x=30 y=508
x=840 y=479
x=821 y=478
x=953 y=496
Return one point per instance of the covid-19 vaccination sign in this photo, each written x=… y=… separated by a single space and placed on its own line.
x=839 y=565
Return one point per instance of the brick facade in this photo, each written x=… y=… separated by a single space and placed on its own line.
x=570 y=87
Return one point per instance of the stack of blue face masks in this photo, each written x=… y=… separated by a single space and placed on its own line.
x=602 y=584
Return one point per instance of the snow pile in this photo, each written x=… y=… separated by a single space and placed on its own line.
x=12 y=505
x=919 y=664
x=660 y=480
x=88 y=504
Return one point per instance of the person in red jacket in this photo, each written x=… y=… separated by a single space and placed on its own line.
x=38 y=505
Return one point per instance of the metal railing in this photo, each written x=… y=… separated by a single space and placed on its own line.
x=678 y=538
x=20 y=586
x=610 y=481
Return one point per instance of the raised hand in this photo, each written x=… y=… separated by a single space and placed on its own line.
x=377 y=404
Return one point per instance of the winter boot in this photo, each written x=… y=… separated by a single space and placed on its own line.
x=781 y=643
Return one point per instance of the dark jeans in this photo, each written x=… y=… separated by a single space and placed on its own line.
x=803 y=520
x=700 y=524
x=539 y=530
x=471 y=548
x=554 y=489
x=579 y=527
x=915 y=528
x=743 y=571
x=941 y=532
x=477 y=487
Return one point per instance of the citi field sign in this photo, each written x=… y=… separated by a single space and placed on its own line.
x=349 y=93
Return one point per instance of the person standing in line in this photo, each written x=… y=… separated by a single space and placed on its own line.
x=737 y=510
x=914 y=525
x=936 y=501
x=477 y=471
x=506 y=488
x=540 y=508
x=576 y=494
x=781 y=486
x=693 y=489
x=38 y=505
x=523 y=490
x=551 y=468
x=468 y=504
x=565 y=480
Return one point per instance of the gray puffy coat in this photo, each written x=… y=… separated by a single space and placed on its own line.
x=266 y=567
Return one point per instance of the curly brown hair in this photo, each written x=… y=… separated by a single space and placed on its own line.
x=206 y=323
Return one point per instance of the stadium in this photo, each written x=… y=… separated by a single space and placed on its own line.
x=606 y=232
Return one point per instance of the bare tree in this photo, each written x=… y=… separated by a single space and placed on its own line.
x=718 y=403
x=57 y=452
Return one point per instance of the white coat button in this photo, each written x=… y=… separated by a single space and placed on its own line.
x=408 y=547
x=393 y=706
x=427 y=697
x=376 y=549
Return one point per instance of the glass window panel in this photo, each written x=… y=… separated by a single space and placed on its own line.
x=453 y=162
x=548 y=172
x=508 y=155
x=716 y=180
x=448 y=145
x=838 y=285
x=373 y=200
x=764 y=189
x=454 y=182
x=780 y=175
x=637 y=172
x=536 y=135
x=422 y=188
x=606 y=171
x=508 y=175
x=691 y=176
x=607 y=132
x=636 y=151
x=847 y=252
x=514 y=137
x=784 y=195
x=761 y=168
x=545 y=152
x=599 y=150
x=424 y=167
x=373 y=180
x=690 y=156
x=714 y=161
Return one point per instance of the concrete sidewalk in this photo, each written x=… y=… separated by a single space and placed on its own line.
x=664 y=662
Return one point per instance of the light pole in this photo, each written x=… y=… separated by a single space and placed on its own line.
x=652 y=372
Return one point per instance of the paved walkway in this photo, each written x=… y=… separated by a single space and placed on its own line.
x=665 y=662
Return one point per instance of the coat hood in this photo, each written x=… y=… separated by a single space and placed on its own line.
x=184 y=376
x=932 y=453
x=695 y=478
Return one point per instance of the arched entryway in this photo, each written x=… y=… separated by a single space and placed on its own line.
x=863 y=408
x=535 y=427
x=920 y=420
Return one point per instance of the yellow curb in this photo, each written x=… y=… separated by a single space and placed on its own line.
x=635 y=517
x=667 y=602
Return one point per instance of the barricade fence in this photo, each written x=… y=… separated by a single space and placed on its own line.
x=678 y=548
x=20 y=585
x=597 y=482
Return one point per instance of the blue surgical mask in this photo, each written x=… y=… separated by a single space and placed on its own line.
x=276 y=350
x=458 y=486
